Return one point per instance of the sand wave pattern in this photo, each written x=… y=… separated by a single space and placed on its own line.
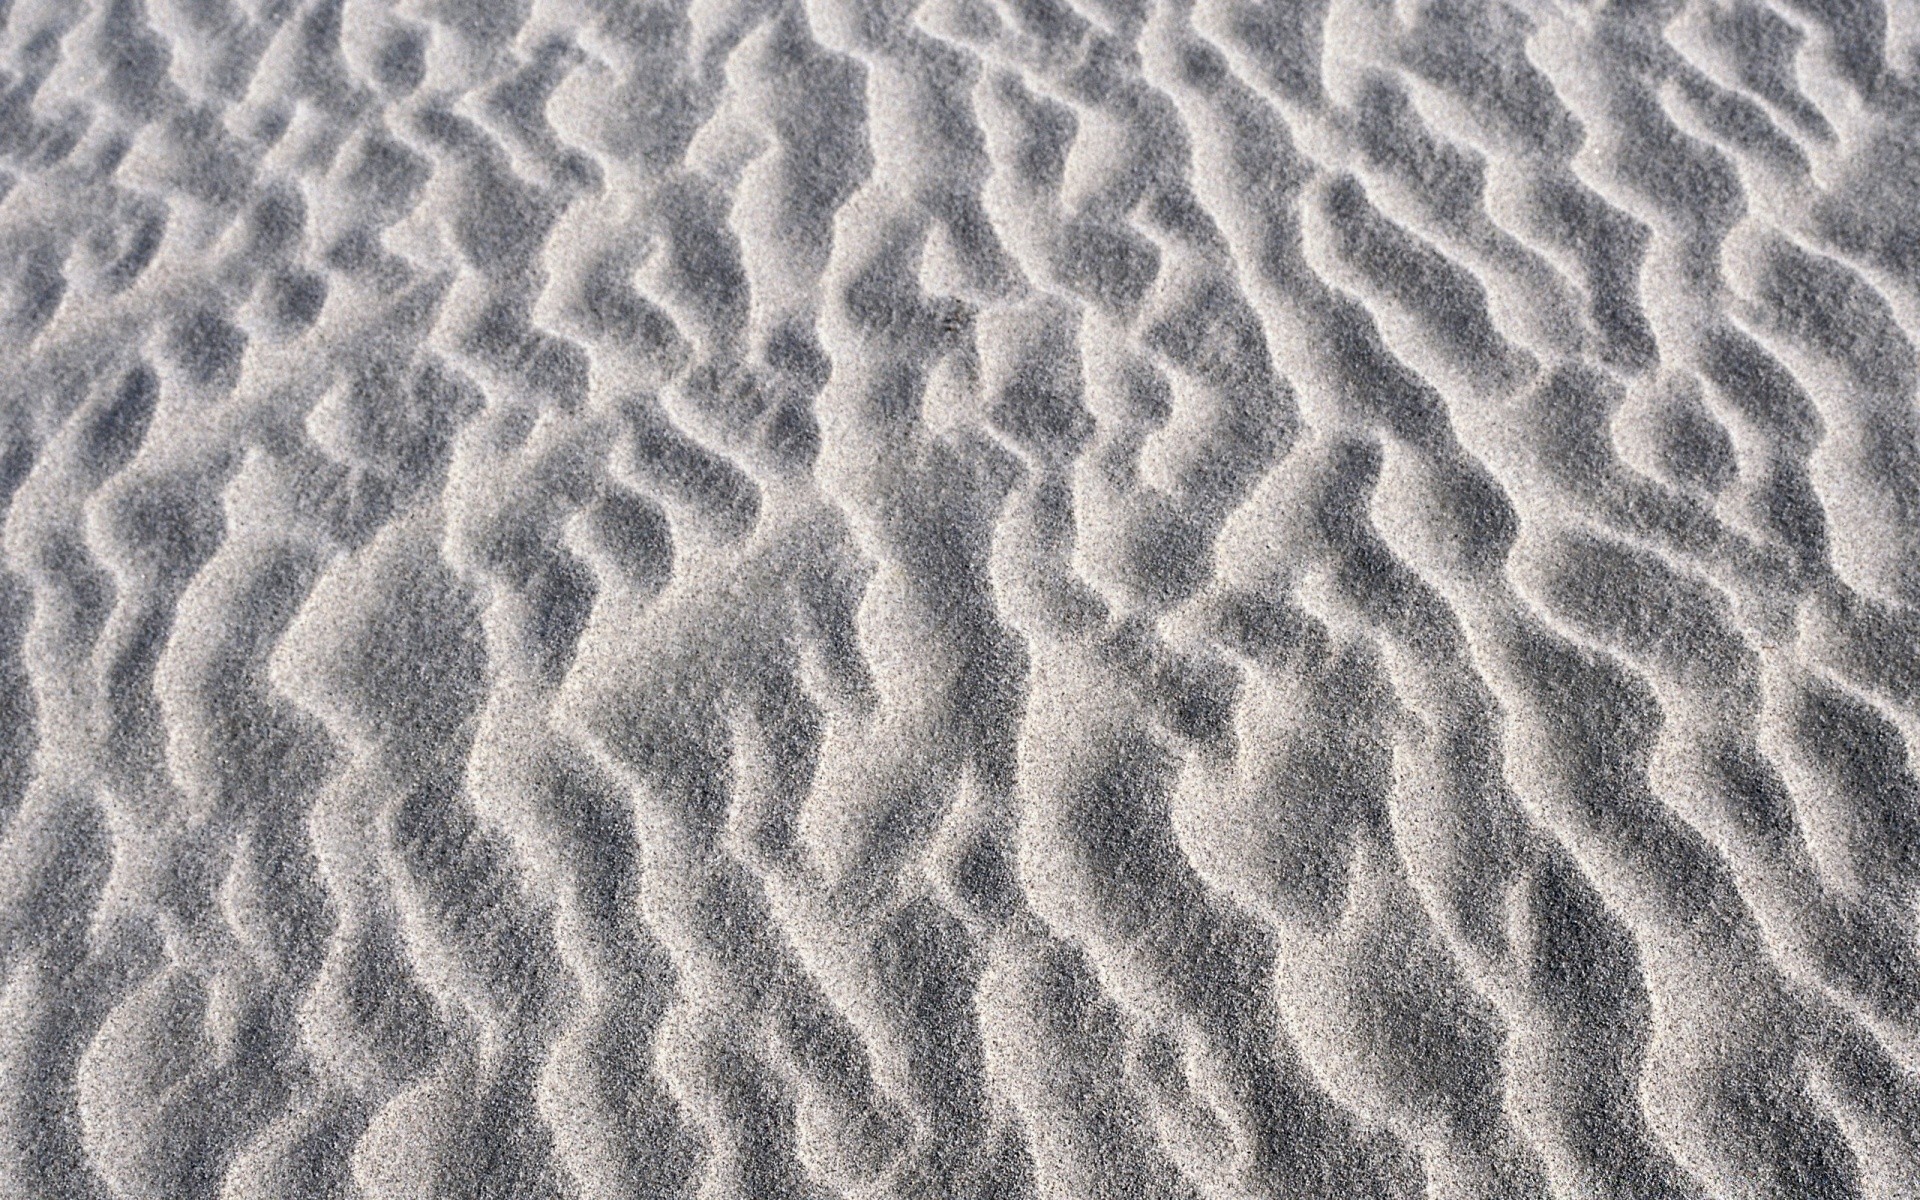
x=959 y=599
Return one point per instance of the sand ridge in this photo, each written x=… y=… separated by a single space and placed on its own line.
x=971 y=599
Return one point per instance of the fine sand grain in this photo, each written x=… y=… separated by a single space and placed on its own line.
x=959 y=599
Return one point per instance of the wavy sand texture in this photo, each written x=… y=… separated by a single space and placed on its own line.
x=960 y=599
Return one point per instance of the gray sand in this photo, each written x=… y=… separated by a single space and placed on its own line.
x=959 y=599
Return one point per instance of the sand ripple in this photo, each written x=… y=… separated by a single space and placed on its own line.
x=973 y=599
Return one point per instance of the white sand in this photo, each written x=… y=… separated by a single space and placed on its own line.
x=963 y=601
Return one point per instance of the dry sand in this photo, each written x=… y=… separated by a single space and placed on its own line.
x=972 y=599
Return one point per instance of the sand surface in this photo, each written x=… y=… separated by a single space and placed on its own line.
x=959 y=599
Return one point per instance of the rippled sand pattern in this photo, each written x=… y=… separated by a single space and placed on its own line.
x=960 y=600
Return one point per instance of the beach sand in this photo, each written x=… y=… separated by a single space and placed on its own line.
x=959 y=600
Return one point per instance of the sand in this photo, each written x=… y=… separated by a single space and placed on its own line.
x=959 y=600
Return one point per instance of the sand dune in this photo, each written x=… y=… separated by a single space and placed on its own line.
x=972 y=599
